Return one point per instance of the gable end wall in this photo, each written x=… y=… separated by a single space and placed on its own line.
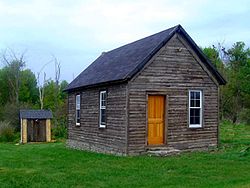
x=173 y=71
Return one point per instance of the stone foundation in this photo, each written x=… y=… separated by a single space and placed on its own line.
x=75 y=144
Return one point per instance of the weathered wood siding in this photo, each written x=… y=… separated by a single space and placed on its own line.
x=173 y=71
x=88 y=135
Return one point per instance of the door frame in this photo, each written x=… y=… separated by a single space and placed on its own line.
x=165 y=140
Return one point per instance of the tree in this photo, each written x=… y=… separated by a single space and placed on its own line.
x=234 y=64
x=57 y=88
x=63 y=86
x=42 y=84
x=4 y=87
x=238 y=87
x=13 y=66
x=28 y=88
x=41 y=87
x=216 y=55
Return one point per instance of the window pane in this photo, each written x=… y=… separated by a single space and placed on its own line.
x=77 y=116
x=103 y=95
x=197 y=103
x=103 y=98
x=197 y=95
x=191 y=116
x=192 y=112
x=103 y=108
x=78 y=99
x=191 y=119
x=77 y=106
x=78 y=109
x=197 y=120
x=195 y=116
x=103 y=116
x=195 y=99
x=191 y=95
x=192 y=103
x=77 y=120
x=197 y=112
x=103 y=103
x=78 y=102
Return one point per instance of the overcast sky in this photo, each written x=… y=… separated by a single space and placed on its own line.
x=78 y=31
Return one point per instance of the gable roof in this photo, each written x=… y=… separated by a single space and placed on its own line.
x=122 y=63
x=35 y=114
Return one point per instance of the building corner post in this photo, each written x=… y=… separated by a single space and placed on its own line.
x=24 y=131
x=48 y=130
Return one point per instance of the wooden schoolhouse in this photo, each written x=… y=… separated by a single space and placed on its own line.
x=157 y=92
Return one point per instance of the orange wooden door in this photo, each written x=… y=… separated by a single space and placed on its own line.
x=156 y=106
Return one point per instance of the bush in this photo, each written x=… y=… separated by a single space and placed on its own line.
x=7 y=133
x=245 y=116
x=10 y=114
x=59 y=131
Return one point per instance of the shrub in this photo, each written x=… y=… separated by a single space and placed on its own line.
x=245 y=116
x=10 y=114
x=7 y=133
x=59 y=131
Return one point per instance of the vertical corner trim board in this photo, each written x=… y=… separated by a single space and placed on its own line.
x=24 y=131
x=48 y=130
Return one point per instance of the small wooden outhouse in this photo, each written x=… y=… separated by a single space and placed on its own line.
x=35 y=125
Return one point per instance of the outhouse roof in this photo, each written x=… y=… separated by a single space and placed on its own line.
x=35 y=114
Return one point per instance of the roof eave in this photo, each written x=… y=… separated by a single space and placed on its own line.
x=102 y=84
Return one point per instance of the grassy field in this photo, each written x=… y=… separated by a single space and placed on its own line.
x=53 y=165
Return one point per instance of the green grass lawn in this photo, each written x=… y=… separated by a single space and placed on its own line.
x=53 y=165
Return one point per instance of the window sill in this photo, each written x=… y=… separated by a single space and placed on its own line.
x=78 y=124
x=102 y=126
x=194 y=126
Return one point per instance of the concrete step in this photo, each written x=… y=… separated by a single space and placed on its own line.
x=162 y=151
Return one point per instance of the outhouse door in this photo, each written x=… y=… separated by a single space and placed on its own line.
x=36 y=130
x=156 y=114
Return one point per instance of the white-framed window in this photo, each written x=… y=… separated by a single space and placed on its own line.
x=78 y=109
x=102 y=118
x=195 y=108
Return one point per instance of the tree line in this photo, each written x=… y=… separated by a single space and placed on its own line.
x=234 y=64
x=20 y=88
